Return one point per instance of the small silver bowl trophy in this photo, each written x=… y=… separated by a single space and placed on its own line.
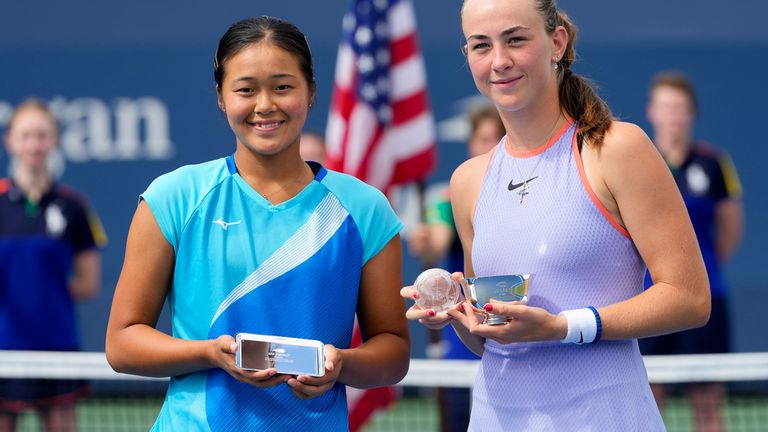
x=439 y=292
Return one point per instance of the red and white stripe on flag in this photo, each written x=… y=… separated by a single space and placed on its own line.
x=380 y=128
x=363 y=403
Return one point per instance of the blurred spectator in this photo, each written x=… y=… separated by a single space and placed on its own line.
x=435 y=240
x=49 y=258
x=312 y=147
x=437 y=244
x=710 y=187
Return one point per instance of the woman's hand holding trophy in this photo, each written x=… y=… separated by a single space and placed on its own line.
x=436 y=291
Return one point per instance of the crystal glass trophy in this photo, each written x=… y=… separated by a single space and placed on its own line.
x=480 y=290
x=437 y=290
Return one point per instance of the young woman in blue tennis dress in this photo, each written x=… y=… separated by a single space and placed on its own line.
x=260 y=242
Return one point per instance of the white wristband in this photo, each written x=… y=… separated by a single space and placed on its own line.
x=582 y=326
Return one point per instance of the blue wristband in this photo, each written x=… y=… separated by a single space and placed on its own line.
x=599 y=322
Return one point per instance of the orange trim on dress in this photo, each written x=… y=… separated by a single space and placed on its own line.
x=526 y=154
x=591 y=193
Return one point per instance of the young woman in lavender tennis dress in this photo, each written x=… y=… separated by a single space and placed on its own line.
x=585 y=203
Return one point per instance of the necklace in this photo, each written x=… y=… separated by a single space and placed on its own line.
x=281 y=188
x=524 y=188
x=523 y=191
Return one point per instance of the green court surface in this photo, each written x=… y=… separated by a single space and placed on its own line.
x=128 y=414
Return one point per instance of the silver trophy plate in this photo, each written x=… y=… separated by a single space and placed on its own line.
x=480 y=290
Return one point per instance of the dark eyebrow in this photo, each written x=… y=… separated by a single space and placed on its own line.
x=280 y=75
x=283 y=75
x=514 y=29
x=506 y=32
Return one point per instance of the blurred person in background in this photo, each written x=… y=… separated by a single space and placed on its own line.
x=312 y=147
x=437 y=244
x=712 y=192
x=49 y=259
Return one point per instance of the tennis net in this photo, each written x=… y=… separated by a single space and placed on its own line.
x=119 y=402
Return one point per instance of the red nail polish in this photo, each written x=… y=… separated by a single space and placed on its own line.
x=461 y=306
x=488 y=307
x=431 y=313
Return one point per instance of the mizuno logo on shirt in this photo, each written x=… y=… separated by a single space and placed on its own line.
x=225 y=225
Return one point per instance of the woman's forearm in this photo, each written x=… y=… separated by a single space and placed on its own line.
x=382 y=360
x=142 y=350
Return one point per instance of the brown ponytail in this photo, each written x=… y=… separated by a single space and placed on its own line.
x=577 y=94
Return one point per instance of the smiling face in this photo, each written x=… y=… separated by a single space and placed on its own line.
x=31 y=136
x=266 y=97
x=509 y=52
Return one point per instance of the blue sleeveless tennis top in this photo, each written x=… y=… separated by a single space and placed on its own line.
x=245 y=265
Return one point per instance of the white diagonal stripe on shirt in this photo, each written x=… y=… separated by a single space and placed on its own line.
x=321 y=226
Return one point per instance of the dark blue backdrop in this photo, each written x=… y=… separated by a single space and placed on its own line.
x=114 y=69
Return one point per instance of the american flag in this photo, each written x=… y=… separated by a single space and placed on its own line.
x=380 y=127
x=362 y=404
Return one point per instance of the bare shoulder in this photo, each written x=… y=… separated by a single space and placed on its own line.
x=471 y=170
x=621 y=166
x=624 y=138
x=631 y=167
x=626 y=149
x=466 y=182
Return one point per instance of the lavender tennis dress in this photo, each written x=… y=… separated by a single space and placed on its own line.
x=579 y=256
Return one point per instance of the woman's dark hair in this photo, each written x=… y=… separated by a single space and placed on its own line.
x=578 y=96
x=279 y=32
